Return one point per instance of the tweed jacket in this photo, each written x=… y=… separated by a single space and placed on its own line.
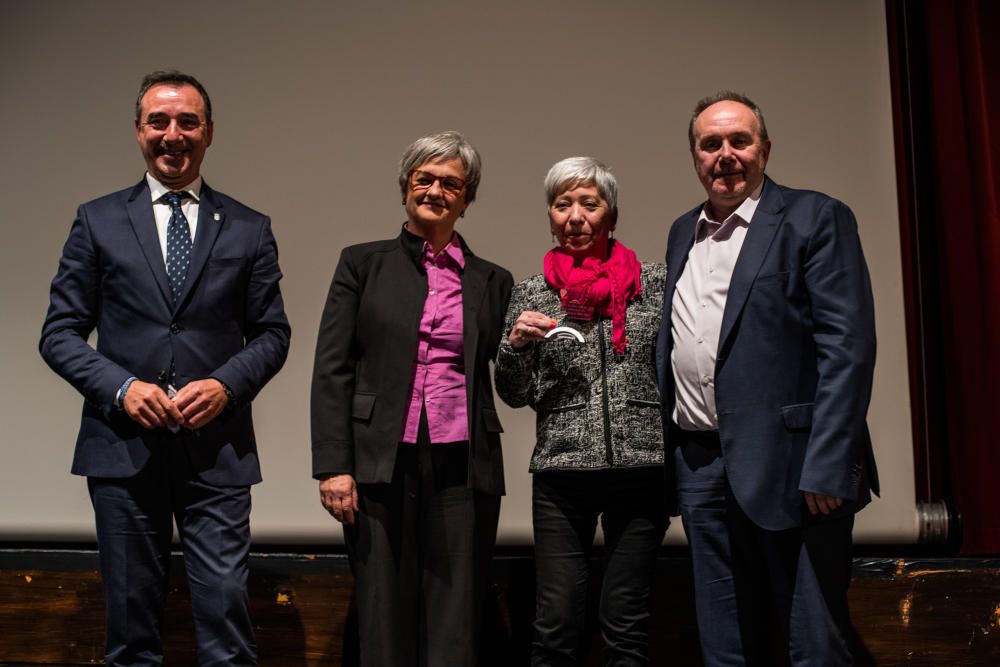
x=594 y=409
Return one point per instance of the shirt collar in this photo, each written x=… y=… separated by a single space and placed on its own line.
x=452 y=250
x=157 y=189
x=743 y=214
x=418 y=249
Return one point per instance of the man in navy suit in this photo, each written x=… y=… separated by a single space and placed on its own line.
x=765 y=359
x=181 y=284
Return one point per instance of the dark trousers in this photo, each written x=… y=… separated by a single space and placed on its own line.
x=420 y=552
x=565 y=509
x=135 y=519
x=745 y=576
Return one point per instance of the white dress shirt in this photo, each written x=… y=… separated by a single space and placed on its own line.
x=161 y=209
x=697 y=308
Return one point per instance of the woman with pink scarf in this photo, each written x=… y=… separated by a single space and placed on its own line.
x=579 y=348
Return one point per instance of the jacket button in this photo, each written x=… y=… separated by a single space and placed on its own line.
x=174 y=329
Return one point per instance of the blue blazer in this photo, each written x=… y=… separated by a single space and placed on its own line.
x=229 y=324
x=796 y=356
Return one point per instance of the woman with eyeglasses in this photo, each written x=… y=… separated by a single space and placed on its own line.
x=579 y=347
x=406 y=439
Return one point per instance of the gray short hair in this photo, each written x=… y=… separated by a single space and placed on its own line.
x=442 y=146
x=577 y=171
x=727 y=96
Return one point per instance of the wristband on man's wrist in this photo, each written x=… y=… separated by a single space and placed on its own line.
x=229 y=394
x=122 y=390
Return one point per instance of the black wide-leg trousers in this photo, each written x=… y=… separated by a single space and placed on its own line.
x=420 y=551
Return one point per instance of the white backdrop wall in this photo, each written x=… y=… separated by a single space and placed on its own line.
x=315 y=102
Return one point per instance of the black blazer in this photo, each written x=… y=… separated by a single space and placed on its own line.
x=366 y=350
x=228 y=324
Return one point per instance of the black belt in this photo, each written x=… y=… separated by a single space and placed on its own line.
x=701 y=438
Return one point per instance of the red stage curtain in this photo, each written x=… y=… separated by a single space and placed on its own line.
x=946 y=59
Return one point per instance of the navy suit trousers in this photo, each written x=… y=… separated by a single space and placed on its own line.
x=135 y=518
x=756 y=589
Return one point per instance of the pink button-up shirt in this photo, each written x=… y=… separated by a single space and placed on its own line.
x=439 y=370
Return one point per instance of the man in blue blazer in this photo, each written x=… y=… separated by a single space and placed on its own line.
x=765 y=359
x=181 y=284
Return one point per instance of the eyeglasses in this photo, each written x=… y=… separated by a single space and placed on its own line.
x=422 y=180
x=184 y=123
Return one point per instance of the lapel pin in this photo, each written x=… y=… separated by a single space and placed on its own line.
x=216 y=216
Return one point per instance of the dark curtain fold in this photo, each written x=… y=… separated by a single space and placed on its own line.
x=946 y=89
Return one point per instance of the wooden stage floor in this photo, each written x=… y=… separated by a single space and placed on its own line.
x=908 y=611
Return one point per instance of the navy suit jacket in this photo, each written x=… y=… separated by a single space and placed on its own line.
x=796 y=355
x=366 y=350
x=229 y=324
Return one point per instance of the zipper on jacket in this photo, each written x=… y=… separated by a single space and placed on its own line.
x=609 y=453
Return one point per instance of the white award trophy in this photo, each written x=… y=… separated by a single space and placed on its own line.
x=565 y=332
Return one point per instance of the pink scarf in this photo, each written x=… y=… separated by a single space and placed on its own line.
x=596 y=287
